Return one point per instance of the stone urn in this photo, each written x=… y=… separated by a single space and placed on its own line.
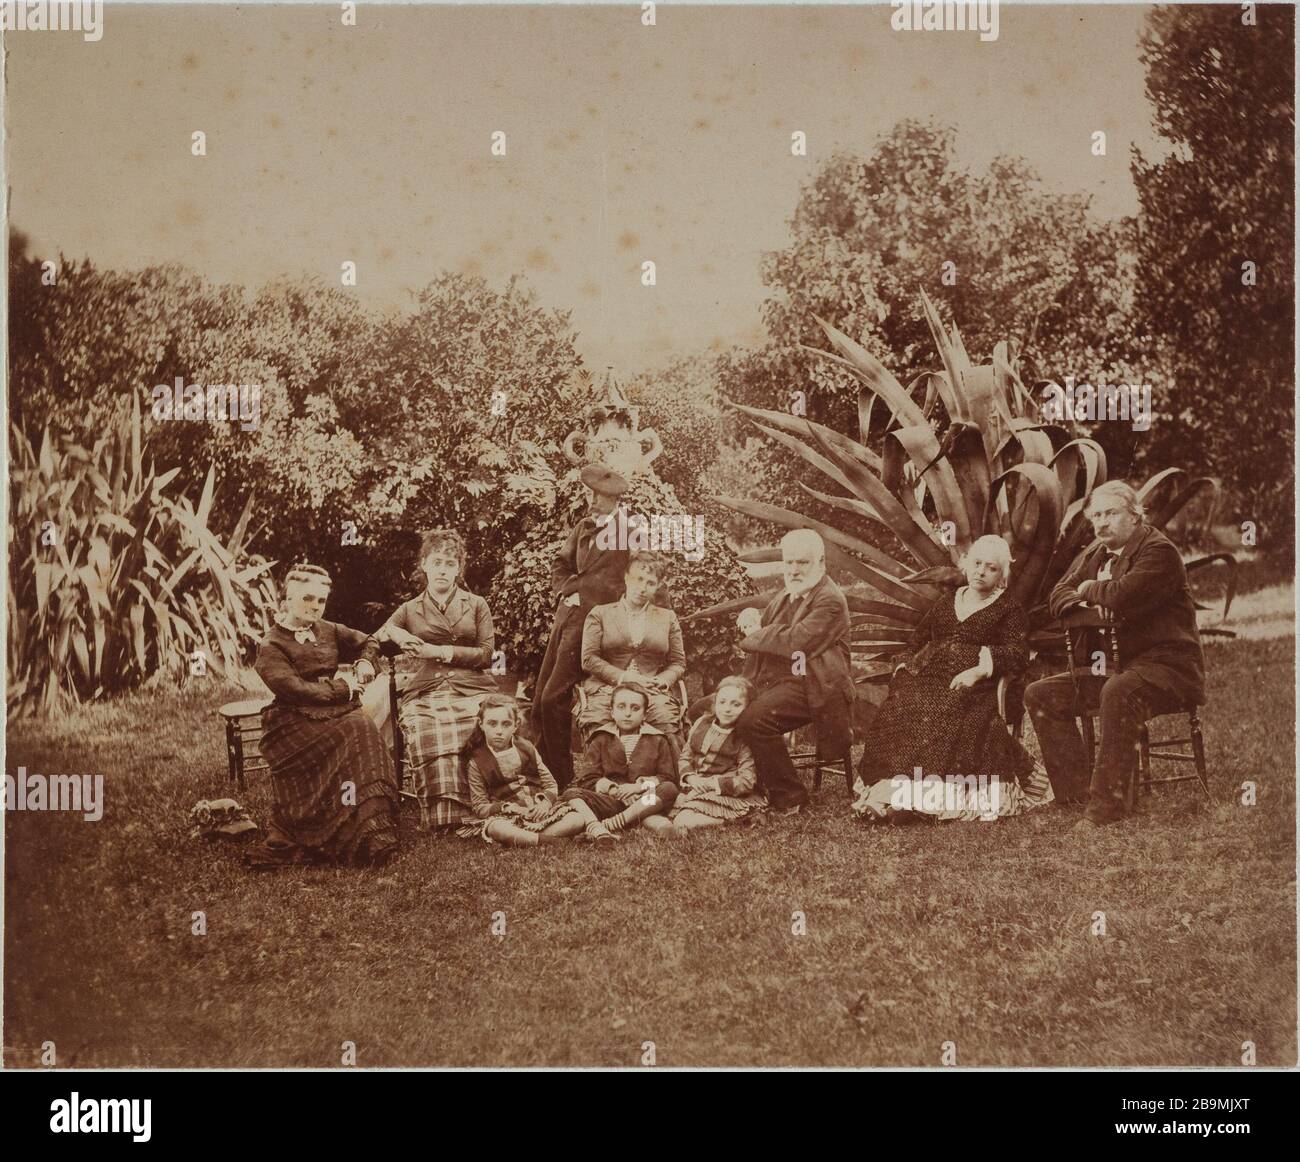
x=612 y=435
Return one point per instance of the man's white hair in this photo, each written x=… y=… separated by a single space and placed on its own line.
x=1120 y=491
x=808 y=537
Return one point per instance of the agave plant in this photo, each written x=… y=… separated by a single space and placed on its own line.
x=114 y=583
x=963 y=451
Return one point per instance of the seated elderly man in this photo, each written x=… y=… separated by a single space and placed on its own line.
x=1135 y=572
x=799 y=663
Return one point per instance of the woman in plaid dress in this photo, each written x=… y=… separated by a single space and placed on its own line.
x=335 y=794
x=447 y=642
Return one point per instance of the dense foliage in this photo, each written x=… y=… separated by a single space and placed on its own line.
x=1224 y=94
x=115 y=579
x=964 y=451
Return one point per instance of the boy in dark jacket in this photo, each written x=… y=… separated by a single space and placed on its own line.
x=627 y=769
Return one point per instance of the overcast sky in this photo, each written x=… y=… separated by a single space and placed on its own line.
x=624 y=143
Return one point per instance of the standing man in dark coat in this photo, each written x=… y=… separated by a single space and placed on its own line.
x=799 y=662
x=1135 y=572
x=584 y=575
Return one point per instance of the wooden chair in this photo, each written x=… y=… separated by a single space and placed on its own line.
x=809 y=757
x=243 y=724
x=390 y=652
x=1079 y=625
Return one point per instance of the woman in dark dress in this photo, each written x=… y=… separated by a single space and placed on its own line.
x=941 y=716
x=331 y=775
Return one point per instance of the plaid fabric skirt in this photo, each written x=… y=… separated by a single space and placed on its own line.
x=436 y=725
x=314 y=818
x=724 y=808
x=478 y=828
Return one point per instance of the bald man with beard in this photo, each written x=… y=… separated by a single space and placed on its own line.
x=799 y=662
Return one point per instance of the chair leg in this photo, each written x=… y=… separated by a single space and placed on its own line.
x=1198 y=752
x=239 y=760
x=1131 y=785
x=1144 y=757
x=1089 y=741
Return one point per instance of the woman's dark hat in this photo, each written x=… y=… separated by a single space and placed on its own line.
x=603 y=481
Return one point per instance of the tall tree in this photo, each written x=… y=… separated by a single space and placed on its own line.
x=1216 y=255
x=1002 y=256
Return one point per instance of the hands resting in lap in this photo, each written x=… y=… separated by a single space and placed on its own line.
x=414 y=647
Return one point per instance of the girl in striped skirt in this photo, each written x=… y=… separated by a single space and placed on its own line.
x=510 y=789
x=716 y=772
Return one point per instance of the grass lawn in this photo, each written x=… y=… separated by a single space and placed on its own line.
x=977 y=934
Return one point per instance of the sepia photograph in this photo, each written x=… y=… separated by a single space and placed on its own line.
x=628 y=535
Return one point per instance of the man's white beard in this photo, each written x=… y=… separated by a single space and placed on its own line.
x=803 y=586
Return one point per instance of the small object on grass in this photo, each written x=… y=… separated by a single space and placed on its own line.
x=220 y=819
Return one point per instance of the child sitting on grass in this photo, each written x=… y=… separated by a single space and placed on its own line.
x=625 y=774
x=511 y=791
x=716 y=772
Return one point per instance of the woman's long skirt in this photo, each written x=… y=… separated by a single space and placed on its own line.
x=436 y=725
x=335 y=792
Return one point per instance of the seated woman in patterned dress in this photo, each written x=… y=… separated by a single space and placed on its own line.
x=940 y=720
x=316 y=739
x=716 y=772
x=513 y=794
x=447 y=642
x=634 y=640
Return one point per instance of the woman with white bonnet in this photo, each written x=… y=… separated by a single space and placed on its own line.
x=937 y=748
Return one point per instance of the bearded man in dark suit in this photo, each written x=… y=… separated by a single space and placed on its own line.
x=1135 y=572
x=799 y=662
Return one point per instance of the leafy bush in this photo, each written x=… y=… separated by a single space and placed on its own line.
x=972 y=457
x=113 y=583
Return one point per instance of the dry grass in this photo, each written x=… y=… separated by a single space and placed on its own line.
x=978 y=934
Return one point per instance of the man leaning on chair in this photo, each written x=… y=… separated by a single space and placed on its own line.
x=1135 y=573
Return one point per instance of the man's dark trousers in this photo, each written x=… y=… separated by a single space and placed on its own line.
x=553 y=707
x=1126 y=701
x=768 y=719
